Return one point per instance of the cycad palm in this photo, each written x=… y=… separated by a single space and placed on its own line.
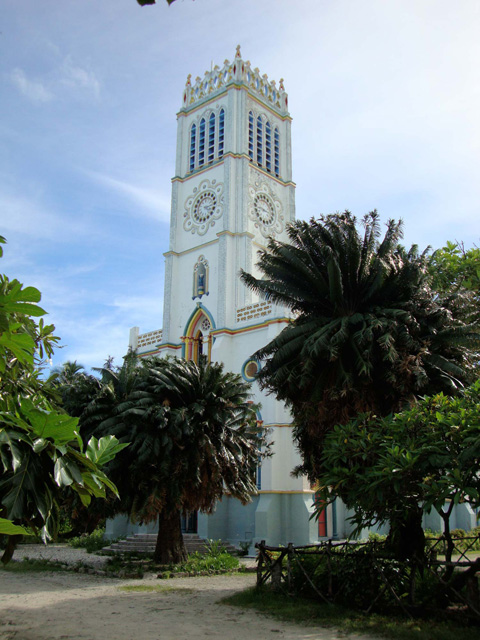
x=368 y=332
x=193 y=439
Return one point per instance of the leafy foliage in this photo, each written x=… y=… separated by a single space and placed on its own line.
x=455 y=273
x=40 y=449
x=422 y=458
x=8 y=528
x=368 y=332
x=453 y=266
x=92 y=542
x=76 y=387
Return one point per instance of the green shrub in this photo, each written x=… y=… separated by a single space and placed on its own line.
x=214 y=548
x=376 y=537
x=91 y=542
x=244 y=548
x=198 y=562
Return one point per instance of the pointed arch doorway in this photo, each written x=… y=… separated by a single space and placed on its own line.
x=197 y=339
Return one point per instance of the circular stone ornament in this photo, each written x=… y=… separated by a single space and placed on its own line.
x=203 y=207
x=265 y=210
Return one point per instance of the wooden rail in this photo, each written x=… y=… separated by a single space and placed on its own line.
x=292 y=570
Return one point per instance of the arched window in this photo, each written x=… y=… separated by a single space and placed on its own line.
x=277 y=152
x=250 y=135
x=259 y=141
x=201 y=146
x=193 y=139
x=268 y=146
x=221 y=133
x=211 y=138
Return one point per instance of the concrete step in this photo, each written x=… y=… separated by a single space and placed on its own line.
x=144 y=543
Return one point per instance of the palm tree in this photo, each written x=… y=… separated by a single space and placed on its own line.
x=193 y=439
x=76 y=387
x=369 y=333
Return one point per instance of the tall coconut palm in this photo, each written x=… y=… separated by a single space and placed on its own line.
x=77 y=388
x=369 y=333
x=193 y=440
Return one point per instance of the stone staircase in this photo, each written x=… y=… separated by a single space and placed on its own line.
x=144 y=543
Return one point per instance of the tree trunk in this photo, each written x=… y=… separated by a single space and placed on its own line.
x=448 y=536
x=10 y=548
x=170 y=548
x=406 y=537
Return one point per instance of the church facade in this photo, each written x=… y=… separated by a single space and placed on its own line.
x=232 y=190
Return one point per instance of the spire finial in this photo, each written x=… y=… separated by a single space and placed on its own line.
x=282 y=88
x=189 y=77
x=238 y=54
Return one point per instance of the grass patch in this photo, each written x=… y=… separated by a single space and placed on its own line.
x=145 y=588
x=29 y=565
x=308 y=612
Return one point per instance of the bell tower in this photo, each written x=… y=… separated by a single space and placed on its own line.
x=232 y=190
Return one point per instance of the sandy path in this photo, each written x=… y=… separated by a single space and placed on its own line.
x=70 y=606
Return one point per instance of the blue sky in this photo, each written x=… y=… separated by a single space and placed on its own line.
x=384 y=96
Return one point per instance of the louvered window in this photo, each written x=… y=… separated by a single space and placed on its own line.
x=211 y=138
x=201 y=146
x=277 y=152
x=221 y=133
x=250 y=135
x=193 y=139
x=259 y=141
x=268 y=146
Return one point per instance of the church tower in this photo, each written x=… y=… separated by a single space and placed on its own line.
x=232 y=190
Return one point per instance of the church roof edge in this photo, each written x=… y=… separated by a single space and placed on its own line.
x=238 y=72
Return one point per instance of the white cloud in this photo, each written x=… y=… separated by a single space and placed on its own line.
x=34 y=90
x=102 y=337
x=30 y=216
x=75 y=77
x=155 y=204
x=146 y=309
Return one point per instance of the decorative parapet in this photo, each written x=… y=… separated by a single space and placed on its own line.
x=253 y=311
x=238 y=72
x=152 y=338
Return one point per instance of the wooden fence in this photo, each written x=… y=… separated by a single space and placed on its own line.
x=365 y=574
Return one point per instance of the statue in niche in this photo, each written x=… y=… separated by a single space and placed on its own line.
x=200 y=278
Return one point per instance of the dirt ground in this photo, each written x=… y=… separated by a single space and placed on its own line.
x=71 y=606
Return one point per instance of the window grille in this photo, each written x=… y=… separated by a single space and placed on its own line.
x=250 y=135
x=193 y=137
x=268 y=146
x=201 y=146
x=259 y=141
x=277 y=152
x=211 y=138
x=221 y=133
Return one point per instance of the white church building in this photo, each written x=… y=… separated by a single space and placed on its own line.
x=232 y=190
